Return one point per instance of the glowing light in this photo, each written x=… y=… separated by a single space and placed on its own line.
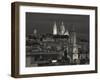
x=55 y=29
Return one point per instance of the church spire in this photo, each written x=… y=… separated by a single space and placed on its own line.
x=66 y=33
x=62 y=28
x=55 y=29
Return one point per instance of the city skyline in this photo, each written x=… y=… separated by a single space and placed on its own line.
x=46 y=20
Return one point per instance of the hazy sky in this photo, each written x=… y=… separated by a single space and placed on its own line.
x=44 y=22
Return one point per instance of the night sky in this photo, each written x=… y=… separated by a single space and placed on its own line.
x=44 y=22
